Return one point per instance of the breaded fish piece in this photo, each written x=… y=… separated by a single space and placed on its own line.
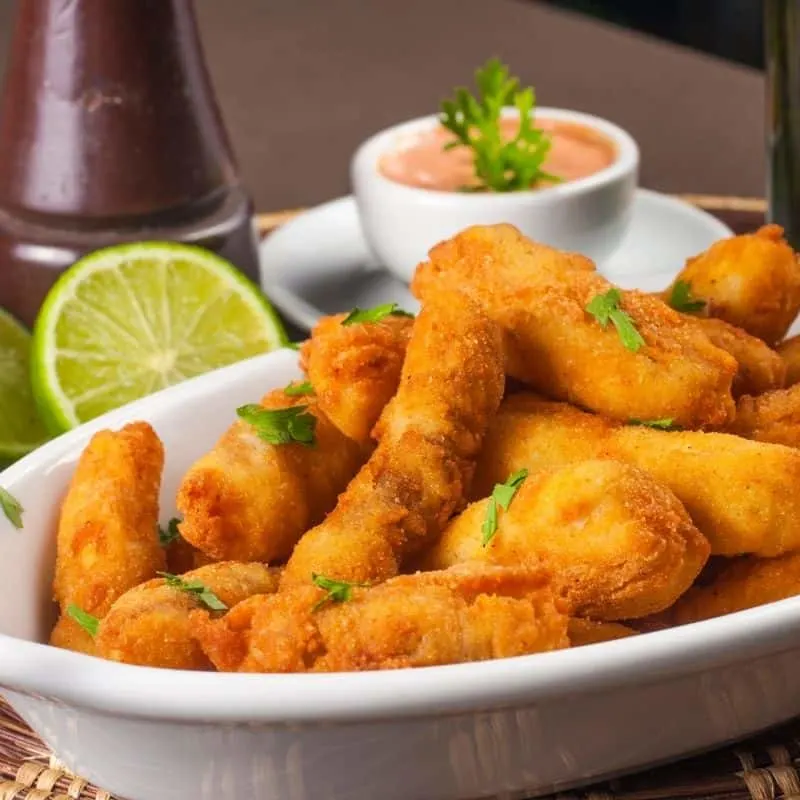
x=743 y=583
x=107 y=534
x=429 y=437
x=249 y=500
x=150 y=625
x=760 y=370
x=771 y=417
x=789 y=351
x=587 y=631
x=355 y=369
x=426 y=619
x=538 y=296
x=751 y=281
x=741 y=495
x=619 y=544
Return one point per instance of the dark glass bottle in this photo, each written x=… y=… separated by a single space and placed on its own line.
x=782 y=44
x=109 y=132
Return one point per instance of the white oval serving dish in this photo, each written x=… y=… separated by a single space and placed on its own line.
x=509 y=728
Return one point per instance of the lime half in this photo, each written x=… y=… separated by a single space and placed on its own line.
x=129 y=320
x=20 y=428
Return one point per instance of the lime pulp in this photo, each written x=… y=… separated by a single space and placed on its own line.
x=20 y=427
x=129 y=320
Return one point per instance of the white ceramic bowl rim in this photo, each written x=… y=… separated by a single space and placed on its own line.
x=113 y=689
x=369 y=153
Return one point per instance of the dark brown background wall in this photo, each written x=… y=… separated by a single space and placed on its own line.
x=301 y=83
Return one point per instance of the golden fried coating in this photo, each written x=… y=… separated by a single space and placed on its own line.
x=789 y=351
x=587 y=631
x=355 y=369
x=107 y=533
x=248 y=500
x=539 y=296
x=150 y=625
x=619 y=543
x=743 y=583
x=426 y=619
x=771 y=417
x=761 y=369
x=742 y=495
x=68 y=635
x=751 y=281
x=429 y=436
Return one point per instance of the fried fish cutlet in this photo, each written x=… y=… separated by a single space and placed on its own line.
x=150 y=624
x=740 y=494
x=249 y=500
x=619 y=544
x=429 y=436
x=760 y=370
x=742 y=583
x=751 y=281
x=538 y=296
x=771 y=417
x=789 y=351
x=587 y=631
x=426 y=619
x=355 y=369
x=107 y=541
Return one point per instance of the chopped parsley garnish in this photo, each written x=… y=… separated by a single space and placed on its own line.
x=337 y=591
x=502 y=495
x=89 y=623
x=659 y=424
x=12 y=508
x=170 y=534
x=605 y=308
x=198 y=589
x=281 y=425
x=489 y=527
x=298 y=389
x=680 y=298
x=501 y=164
x=375 y=314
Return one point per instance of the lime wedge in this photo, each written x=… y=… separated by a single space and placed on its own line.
x=20 y=428
x=129 y=320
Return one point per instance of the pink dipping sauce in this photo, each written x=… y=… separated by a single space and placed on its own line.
x=420 y=160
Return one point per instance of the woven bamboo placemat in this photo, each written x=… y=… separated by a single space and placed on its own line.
x=763 y=768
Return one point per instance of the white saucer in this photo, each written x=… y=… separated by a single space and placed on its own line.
x=319 y=263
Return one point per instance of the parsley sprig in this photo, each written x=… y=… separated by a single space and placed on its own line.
x=665 y=424
x=337 y=591
x=281 y=425
x=196 y=588
x=170 y=534
x=605 y=308
x=680 y=298
x=375 y=314
x=502 y=495
x=298 y=389
x=89 y=623
x=501 y=165
x=12 y=508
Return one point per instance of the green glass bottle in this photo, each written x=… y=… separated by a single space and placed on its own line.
x=782 y=44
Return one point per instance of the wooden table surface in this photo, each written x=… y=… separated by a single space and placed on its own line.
x=302 y=82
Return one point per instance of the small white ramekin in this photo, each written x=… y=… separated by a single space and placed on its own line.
x=401 y=223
